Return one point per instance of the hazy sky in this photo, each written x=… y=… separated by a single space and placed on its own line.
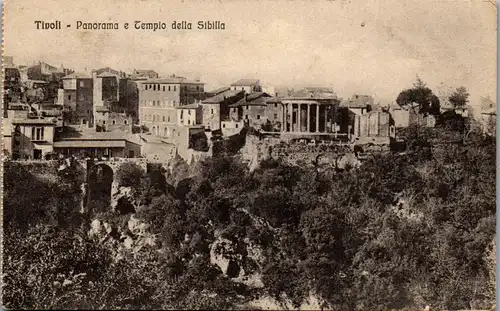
x=365 y=47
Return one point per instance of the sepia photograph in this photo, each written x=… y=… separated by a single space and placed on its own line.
x=249 y=155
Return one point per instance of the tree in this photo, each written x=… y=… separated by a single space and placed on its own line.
x=129 y=175
x=459 y=98
x=421 y=96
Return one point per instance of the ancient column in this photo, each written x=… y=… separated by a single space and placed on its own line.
x=308 y=122
x=290 y=111
x=326 y=118
x=299 y=125
x=317 y=118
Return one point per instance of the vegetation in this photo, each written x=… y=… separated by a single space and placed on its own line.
x=421 y=98
x=401 y=231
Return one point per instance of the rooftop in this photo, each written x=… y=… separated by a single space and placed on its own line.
x=245 y=82
x=253 y=99
x=50 y=122
x=90 y=144
x=219 y=90
x=78 y=75
x=220 y=97
x=177 y=80
x=190 y=106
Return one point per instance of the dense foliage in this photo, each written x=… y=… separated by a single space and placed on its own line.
x=403 y=230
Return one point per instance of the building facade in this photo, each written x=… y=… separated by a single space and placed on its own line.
x=216 y=108
x=76 y=97
x=247 y=85
x=159 y=100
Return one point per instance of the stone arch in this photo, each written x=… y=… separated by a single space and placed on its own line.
x=99 y=180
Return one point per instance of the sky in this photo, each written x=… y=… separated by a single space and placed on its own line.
x=375 y=47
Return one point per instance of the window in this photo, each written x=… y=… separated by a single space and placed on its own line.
x=223 y=125
x=246 y=107
x=275 y=105
x=169 y=87
x=154 y=87
x=103 y=122
x=189 y=122
x=175 y=103
x=236 y=125
x=84 y=121
x=168 y=118
x=158 y=87
x=189 y=112
x=246 y=117
x=164 y=88
x=258 y=117
x=125 y=122
x=114 y=122
x=175 y=87
x=275 y=116
x=69 y=97
x=165 y=132
x=37 y=133
x=212 y=111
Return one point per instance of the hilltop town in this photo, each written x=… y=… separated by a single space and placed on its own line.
x=105 y=113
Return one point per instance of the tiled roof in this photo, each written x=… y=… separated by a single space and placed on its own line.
x=172 y=81
x=219 y=90
x=72 y=135
x=190 y=106
x=90 y=144
x=245 y=82
x=107 y=74
x=221 y=96
x=78 y=75
x=35 y=121
x=253 y=99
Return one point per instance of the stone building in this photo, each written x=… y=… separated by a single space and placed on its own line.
x=159 y=100
x=315 y=114
x=76 y=97
x=189 y=115
x=98 y=145
x=252 y=109
x=108 y=121
x=247 y=85
x=31 y=138
x=216 y=108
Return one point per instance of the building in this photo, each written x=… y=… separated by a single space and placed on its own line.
x=252 y=109
x=373 y=124
x=309 y=114
x=159 y=99
x=359 y=104
x=45 y=72
x=108 y=121
x=32 y=138
x=76 y=97
x=155 y=149
x=216 y=107
x=488 y=121
x=274 y=113
x=98 y=145
x=189 y=115
x=247 y=85
x=139 y=74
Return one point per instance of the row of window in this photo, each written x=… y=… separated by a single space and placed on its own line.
x=113 y=122
x=155 y=118
x=157 y=87
x=166 y=131
x=158 y=103
x=37 y=133
x=165 y=88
